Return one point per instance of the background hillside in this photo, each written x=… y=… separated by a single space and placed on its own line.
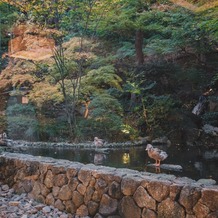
x=120 y=70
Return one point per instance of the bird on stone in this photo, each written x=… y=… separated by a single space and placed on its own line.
x=4 y=135
x=156 y=154
x=98 y=142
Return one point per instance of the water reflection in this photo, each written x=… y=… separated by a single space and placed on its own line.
x=99 y=158
x=153 y=169
x=194 y=166
x=126 y=158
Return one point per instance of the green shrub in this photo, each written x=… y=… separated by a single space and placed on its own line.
x=22 y=123
x=3 y=123
x=105 y=119
x=157 y=113
x=108 y=128
x=20 y=109
x=22 y=128
x=52 y=130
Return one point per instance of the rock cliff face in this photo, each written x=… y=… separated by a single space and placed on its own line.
x=28 y=42
x=31 y=42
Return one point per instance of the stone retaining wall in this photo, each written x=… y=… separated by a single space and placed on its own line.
x=97 y=191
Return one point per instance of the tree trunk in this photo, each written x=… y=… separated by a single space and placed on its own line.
x=138 y=47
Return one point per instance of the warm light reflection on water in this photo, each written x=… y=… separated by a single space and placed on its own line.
x=126 y=158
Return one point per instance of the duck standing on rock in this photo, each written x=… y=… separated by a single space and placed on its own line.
x=156 y=154
x=98 y=142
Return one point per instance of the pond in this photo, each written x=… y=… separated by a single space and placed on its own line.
x=191 y=159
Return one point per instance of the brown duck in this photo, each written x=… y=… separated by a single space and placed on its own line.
x=156 y=154
x=98 y=142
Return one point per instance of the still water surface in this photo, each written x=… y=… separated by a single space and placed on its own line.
x=191 y=160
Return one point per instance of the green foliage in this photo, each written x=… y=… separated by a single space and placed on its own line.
x=104 y=104
x=159 y=47
x=22 y=128
x=108 y=76
x=42 y=70
x=209 y=23
x=139 y=88
x=153 y=22
x=195 y=77
x=214 y=80
x=211 y=27
x=83 y=17
x=127 y=50
x=70 y=70
x=22 y=123
x=105 y=117
x=165 y=31
x=98 y=80
x=104 y=77
x=20 y=109
x=102 y=61
x=158 y=109
x=117 y=22
x=189 y=31
x=74 y=20
x=8 y=16
x=52 y=130
x=3 y=123
x=109 y=128
x=44 y=93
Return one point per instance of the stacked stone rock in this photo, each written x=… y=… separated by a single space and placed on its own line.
x=97 y=191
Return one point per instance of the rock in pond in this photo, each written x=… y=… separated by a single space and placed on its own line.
x=171 y=167
x=207 y=182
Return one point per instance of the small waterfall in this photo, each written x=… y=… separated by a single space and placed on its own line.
x=200 y=106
